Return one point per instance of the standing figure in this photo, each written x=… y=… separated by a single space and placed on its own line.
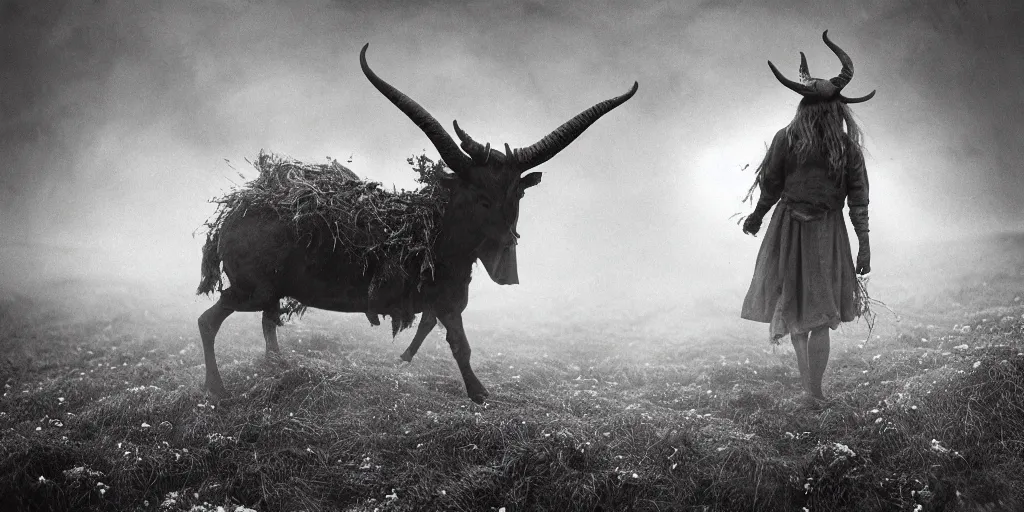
x=804 y=280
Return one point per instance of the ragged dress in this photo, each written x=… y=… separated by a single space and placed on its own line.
x=804 y=278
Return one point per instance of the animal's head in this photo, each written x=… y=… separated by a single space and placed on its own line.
x=487 y=182
x=820 y=89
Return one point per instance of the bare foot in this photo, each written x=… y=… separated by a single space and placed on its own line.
x=816 y=402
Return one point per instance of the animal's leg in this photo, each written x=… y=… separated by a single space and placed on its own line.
x=460 y=349
x=800 y=346
x=271 y=319
x=209 y=323
x=817 y=357
x=427 y=323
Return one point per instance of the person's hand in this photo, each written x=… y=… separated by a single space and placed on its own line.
x=864 y=258
x=752 y=225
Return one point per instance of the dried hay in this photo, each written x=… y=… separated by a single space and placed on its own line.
x=391 y=232
x=865 y=305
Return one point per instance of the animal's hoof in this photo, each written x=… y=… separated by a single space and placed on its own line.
x=479 y=396
x=275 y=360
x=217 y=391
x=406 y=356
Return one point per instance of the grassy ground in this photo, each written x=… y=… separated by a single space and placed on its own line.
x=101 y=410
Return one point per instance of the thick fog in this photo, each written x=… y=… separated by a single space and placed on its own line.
x=121 y=119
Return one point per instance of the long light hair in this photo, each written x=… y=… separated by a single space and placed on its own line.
x=817 y=129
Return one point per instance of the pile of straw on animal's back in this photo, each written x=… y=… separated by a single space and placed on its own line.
x=392 y=232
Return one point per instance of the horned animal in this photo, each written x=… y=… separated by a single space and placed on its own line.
x=265 y=261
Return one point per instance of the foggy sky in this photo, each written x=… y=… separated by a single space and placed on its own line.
x=120 y=119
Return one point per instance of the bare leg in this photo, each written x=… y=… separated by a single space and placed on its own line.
x=427 y=323
x=460 y=349
x=817 y=359
x=271 y=320
x=209 y=323
x=800 y=346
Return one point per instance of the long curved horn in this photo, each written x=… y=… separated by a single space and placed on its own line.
x=796 y=87
x=479 y=152
x=847 y=73
x=550 y=145
x=805 y=74
x=866 y=97
x=450 y=153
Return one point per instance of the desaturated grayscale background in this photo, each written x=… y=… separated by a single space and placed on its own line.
x=119 y=120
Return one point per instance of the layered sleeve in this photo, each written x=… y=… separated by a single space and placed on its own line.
x=772 y=174
x=857 y=193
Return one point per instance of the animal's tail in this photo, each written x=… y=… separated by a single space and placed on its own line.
x=211 y=277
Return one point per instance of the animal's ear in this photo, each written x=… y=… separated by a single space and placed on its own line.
x=530 y=180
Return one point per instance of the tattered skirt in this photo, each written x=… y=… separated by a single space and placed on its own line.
x=804 y=278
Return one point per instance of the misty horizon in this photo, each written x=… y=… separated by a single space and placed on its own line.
x=121 y=122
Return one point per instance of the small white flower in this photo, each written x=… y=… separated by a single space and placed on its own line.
x=843 y=450
x=145 y=425
x=976 y=364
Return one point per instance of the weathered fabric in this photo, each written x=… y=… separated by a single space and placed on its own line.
x=804 y=277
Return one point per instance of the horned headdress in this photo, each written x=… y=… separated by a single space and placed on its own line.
x=819 y=88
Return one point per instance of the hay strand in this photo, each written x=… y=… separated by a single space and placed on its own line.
x=866 y=305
